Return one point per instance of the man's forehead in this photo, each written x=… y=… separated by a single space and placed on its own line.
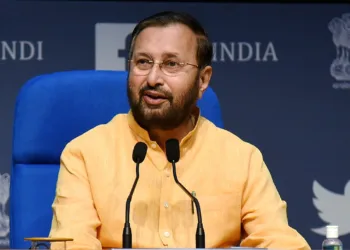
x=172 y=39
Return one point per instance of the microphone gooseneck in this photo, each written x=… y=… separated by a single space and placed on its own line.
x=138 y=156
x=173 y=156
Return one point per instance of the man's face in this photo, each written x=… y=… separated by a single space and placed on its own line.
x=161 y=99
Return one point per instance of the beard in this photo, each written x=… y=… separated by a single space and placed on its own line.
x=169 y=114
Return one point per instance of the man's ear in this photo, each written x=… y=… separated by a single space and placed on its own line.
x=204 y=79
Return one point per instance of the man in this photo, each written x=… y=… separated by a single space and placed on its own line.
x=169 y=70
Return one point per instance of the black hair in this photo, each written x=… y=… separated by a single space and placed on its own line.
x=163 y=19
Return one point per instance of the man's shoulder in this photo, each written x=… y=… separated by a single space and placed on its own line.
x=102 y=131
x=226 y=138
x=226 y=147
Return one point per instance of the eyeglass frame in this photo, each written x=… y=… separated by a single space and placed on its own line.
x=160 y=63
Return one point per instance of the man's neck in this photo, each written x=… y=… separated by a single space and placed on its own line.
x=161 y=136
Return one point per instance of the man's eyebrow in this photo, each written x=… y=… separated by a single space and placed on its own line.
x=142 y=54
x=171 y=54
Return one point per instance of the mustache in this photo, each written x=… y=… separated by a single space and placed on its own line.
x=156 y=88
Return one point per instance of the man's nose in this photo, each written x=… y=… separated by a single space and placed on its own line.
x=155 y=76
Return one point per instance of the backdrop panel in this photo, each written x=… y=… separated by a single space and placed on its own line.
x=281 y=72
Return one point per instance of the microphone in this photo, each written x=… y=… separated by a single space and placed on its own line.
x=138 y=155
x=173 y=156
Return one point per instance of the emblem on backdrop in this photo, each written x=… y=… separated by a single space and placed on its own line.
x=4 y=217
x=340 y=67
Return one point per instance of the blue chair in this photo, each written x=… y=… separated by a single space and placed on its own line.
x=50 y=111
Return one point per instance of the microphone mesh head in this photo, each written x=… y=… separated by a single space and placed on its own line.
x=172 y=150
x=139 y=153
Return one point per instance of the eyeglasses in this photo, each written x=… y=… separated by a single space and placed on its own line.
x=143 y=67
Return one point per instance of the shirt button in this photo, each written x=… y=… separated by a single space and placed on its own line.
x=166 y=234
x=153 y=145
x=166 y=205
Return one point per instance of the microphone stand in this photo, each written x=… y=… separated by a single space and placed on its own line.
x=200 y=234
x=127 y=234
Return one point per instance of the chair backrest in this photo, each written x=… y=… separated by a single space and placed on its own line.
x=50 y=111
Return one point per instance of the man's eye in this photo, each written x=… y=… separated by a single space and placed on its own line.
x=171 y=64
x=143 y=61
